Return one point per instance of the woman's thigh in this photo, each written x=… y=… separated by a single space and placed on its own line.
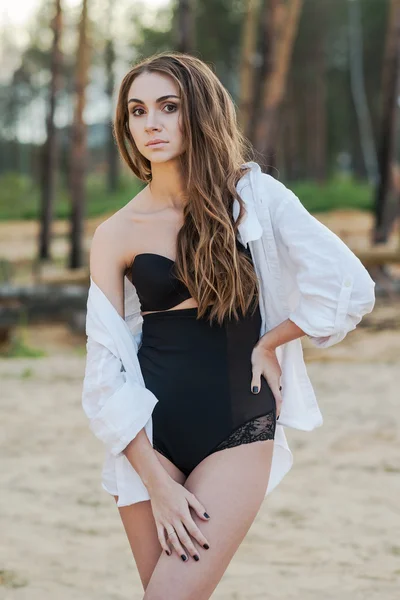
x=140 y=528
x=232 y=484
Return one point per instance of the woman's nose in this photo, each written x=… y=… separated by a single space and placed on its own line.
x=151 y=123
x=150 y=128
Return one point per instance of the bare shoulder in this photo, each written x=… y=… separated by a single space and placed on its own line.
x=117 y=233
x=112 y=248
x=109 y=240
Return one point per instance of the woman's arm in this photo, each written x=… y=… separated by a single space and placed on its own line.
x=110 y=399
x=119 y=406
x=281 y=334
x=336 y=290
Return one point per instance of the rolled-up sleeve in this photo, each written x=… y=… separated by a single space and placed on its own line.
x=336 y=290
x=116 y=404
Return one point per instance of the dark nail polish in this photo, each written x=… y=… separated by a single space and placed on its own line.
x=206 y=546
x=277 y=418
x=255 y=389
x=166 y=552
x=206 y=516
x=280 y=387
x=183 y=557
x=196 y=557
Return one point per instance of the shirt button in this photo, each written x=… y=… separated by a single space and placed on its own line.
x=347 y=283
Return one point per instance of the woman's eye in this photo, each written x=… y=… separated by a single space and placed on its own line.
x=168 y=111
x=173 y=106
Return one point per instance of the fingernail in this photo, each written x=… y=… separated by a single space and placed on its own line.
x=166 y=552
x=255 y=389
x=183 y=557
x=280 y=387
x=206 y=546
x=277 y=418
x=206 y=516
x=196 y=557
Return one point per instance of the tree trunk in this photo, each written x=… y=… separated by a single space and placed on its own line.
x=51 y=147
x=112 y=150
x=290 y=138
x=78 y=145
x=268 y=38
x=314 y=108
x=248 y=64
x=320 y=116
x=358 y=91
x=186 y=26
x=285 y=19
x=388 y=130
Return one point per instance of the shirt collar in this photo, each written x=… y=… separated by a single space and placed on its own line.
x=250 y=228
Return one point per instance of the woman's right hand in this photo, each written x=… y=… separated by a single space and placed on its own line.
x=170 y=502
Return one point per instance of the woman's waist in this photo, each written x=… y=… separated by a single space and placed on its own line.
x=191 y=313
x=180 y=330
x=177 y=330
x=174 y=313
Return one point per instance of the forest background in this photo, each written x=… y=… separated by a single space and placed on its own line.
x=315 y=83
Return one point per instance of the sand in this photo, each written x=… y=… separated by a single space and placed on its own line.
x=330 y=530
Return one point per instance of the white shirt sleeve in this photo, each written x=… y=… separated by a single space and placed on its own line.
x=117 y=405
x=336 y=290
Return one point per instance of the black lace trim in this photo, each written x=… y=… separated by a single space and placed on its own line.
x=255 y=430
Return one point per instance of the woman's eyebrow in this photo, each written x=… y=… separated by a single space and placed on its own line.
x=157 y=101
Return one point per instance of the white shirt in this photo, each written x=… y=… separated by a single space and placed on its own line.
x=306 y=273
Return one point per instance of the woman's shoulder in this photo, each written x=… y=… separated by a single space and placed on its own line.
x=120 y=225
x=117 y=238
x=111 y=244
x=275 y=187
x=124 y=216
x=111 y=231
x=277 y=196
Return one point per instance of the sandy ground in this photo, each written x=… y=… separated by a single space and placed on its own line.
x=330 y=530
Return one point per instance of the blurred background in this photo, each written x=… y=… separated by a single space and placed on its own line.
x=316 y=87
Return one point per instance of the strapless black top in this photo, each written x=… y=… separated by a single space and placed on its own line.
x=157 y=287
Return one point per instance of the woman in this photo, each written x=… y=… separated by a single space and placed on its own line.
x=188 y=401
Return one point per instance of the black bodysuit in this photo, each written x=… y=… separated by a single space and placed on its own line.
x=200 y=372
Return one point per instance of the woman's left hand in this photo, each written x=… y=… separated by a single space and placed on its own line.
x=264 y=362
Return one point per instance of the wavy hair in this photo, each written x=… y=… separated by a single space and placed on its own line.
x=207 y=258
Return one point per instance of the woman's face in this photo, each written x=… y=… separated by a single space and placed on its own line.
x=155 y=113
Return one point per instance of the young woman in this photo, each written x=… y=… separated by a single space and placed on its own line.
x=188 y=406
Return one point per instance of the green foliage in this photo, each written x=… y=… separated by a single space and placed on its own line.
x=26 y=373
x=20 y=197
x=20 y=349
x=319 y=65
x=218 y=30
x=337 y=193
x=324 y=34
x=18 y=346
x=100 y=200
x=11 y=579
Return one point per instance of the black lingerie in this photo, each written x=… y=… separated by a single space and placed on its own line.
x=200 y=372
x=156 y=286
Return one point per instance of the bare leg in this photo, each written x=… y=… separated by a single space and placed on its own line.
x=231 y=483
x=139 y=525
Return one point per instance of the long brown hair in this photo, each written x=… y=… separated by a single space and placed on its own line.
x=207 y=257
